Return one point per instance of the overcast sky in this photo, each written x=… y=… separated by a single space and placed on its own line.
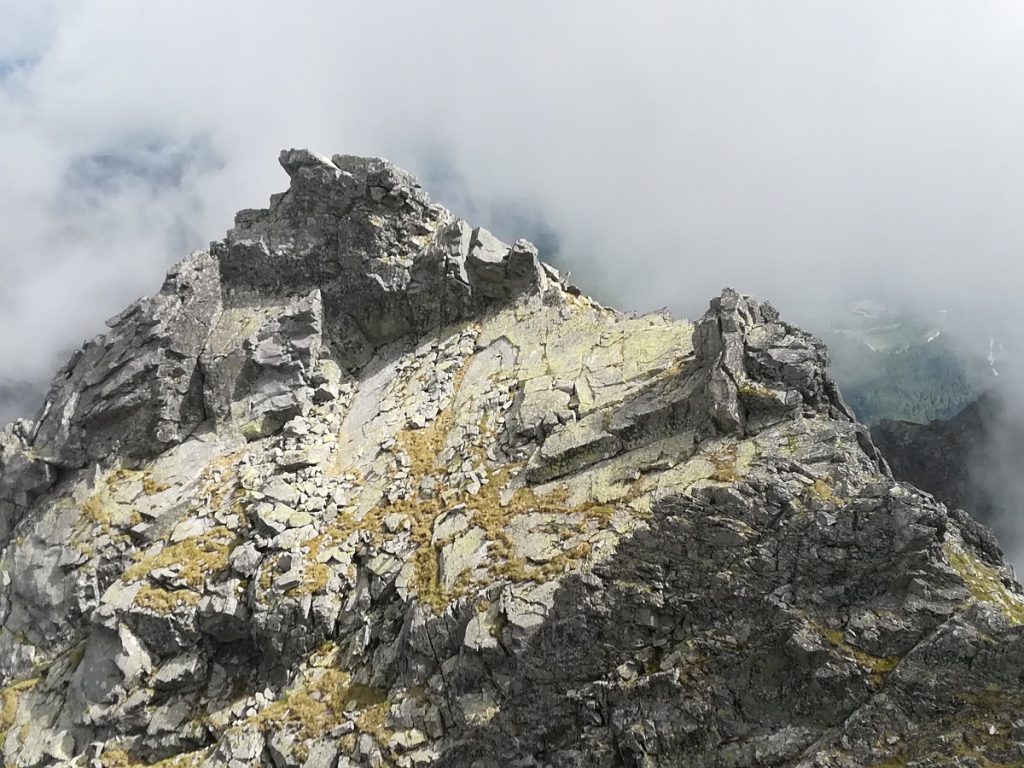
x=794 y=149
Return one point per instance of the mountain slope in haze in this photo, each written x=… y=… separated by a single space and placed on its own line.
x=920 y=383
x=896 y=365
x=969 y=461
x=364 y=486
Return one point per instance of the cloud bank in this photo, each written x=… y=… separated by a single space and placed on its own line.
x=803 y=151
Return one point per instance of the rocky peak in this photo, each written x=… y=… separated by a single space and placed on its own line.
x=761 y=368
x=388 y=262
x=362 y=485
x=353 y=255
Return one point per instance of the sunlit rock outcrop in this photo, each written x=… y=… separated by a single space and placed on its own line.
x=364 y=486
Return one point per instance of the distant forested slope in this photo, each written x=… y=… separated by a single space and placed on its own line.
x=919 y=383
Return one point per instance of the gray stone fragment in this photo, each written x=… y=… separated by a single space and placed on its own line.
x=245 y=559
x=574 y=446
x=321 y=754
x=261 y=382
x=449 y=524
x=179 y=672
x=169 y=717
x=759 y=370
x=241 y=747
x=466 y=551
x=23 y=475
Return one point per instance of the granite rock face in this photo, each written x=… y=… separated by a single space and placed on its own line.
x=364 y=486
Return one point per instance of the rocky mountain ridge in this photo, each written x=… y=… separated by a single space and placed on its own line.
x=364 y=486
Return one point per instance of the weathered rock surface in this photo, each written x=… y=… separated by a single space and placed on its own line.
x=364 y=486
x=136 y=390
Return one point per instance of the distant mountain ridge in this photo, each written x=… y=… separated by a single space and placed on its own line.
x=968 y=461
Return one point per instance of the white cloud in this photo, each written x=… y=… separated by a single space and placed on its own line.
x=790 y=149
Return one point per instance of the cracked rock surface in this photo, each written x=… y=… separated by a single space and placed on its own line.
x=364 y=486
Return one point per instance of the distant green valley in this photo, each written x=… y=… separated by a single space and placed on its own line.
x=898 y=366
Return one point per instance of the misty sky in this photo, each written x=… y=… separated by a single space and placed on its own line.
x=800 y=150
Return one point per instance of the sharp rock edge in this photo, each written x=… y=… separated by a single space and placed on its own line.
x=362 y=485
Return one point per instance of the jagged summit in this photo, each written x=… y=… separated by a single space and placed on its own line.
x=387 y=261
x=364 y=486
x=353 y=253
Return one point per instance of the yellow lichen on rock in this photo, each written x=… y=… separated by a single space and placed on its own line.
x=150 y=486
x=823 y=492
x=163 y=601
x=118 y=757
x=500 y=498
x=323 y=699
x=10 y=696
x=106 y=513
x=724 y=463
x=877 y=667
x=984 y=582
x=197 y=558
